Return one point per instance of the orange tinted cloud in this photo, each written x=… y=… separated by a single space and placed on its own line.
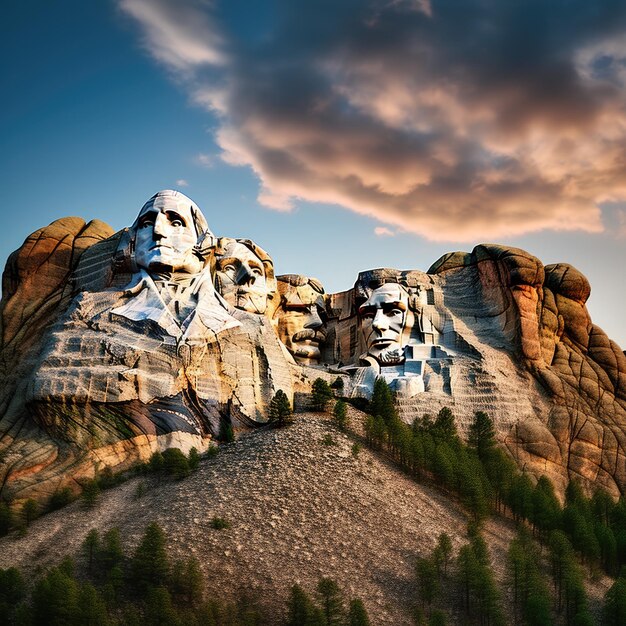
x=456 y=121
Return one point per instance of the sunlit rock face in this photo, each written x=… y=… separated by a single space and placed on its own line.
x=300 y=317
x=579 y=428
x=118 y=344
x=143 y=350
x=244 y=275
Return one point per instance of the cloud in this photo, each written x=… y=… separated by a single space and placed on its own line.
x=181 y=182
x=457 y=121
x=204 y=160
x=383 y=231
x=180 y=35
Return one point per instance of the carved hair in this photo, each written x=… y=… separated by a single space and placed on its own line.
x=370 y=280
x=297 y=280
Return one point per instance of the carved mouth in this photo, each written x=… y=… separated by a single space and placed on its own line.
x=308 y=337
x=382 y=342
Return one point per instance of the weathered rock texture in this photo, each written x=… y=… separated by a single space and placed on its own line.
x=95 y=377
x=36 y=289
x=88 y=389
x=538 y=316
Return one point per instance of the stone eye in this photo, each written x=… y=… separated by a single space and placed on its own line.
x=147 y=222
x=177 y=223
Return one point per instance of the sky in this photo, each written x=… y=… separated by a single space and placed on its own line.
x=339 y=135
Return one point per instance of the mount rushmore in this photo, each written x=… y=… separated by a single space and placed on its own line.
x=115 y=345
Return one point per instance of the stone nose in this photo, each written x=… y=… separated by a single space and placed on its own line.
x=245 y=275
x=160 y=224
x=313 y=319
x=380 y=322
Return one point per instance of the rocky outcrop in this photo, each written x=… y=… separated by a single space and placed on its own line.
x=581 y=429
x=106 y=360
x=36 y=289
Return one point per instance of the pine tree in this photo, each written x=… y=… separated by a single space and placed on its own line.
x=444 y=427
x=186 y=582
x=560 y=556
x=427 y=580
x=159 y=608
x=530 y=593
x=30 y=511
x=331 y=602
x=602 y=507
x=60 y=498
x=12 y=592
x=322 y=394
x=6 y=518
x=156 y=462
x=193 y=459
x=477 y=581
x=91 y=547
x=55 y=598
x=150 y=565
x=90 y=493
x=546 y=510
x=111 y=554
x=340 y=414
x=357 y=615
x=521 y=497
x=443 y=552
x=568 y=580
x=444 y=464
x=176 y=463
x=91 y=609
x=482 y=435
x=280 y=409
x=302 y=611
x=381 y=404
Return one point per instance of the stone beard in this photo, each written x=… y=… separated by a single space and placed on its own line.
x=384 y=320
x=301 y=317
x=244 y=275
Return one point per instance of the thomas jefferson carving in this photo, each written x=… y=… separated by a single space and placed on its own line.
x=244 y=274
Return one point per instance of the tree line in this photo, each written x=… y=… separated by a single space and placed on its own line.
x=148 y=587
x=487 y=480
x=172 y=463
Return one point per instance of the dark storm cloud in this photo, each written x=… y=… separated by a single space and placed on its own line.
x=456 y=120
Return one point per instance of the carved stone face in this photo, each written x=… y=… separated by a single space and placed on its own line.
x=300 y=322
x=383 y=319
x=240 y=278
x=166 y=235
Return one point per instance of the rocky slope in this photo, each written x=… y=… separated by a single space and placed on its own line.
x=298 y=509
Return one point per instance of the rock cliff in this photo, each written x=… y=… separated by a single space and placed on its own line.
x=118 y=344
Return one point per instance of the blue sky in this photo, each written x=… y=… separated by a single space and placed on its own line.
x=340 y=136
